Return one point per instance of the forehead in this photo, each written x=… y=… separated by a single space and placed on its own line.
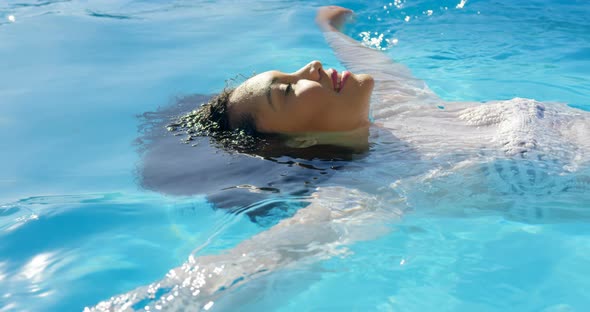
x=255 y=86
x=252 y=95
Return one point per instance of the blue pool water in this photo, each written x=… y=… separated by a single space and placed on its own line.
x=79 y=222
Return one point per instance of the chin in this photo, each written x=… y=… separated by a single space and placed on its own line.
x=364 y=84
x=366 y=81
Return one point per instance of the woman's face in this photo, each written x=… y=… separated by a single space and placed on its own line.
x=311 y=99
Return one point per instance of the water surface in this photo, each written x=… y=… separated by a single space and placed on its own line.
x=77 y=225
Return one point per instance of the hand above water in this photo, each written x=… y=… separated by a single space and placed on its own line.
x=331 y=18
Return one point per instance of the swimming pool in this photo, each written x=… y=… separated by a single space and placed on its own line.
x=78 y=227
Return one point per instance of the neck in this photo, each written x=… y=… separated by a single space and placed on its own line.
x=357 y=139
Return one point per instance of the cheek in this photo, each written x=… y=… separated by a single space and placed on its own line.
x=312 y=101
x=308 y=111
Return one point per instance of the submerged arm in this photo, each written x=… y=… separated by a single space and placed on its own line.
x=335 y=218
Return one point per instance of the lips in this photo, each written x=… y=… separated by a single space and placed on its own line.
x=335 y=80
x=343 y=78
x=339 y=80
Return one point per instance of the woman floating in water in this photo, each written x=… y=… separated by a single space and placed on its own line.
x=315 y=105
x=498 y=154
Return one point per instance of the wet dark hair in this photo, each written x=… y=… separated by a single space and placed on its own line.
x=212 y=120
x=263 y=187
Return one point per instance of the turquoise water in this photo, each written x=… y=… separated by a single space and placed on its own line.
x=78 y=224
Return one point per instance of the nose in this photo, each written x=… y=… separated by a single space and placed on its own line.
x=310 y=71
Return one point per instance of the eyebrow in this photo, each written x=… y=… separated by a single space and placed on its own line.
x=268 y=92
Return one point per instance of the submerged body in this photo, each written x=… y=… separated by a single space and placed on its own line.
x=501 y=155
x=522 y=128
x=533 y=149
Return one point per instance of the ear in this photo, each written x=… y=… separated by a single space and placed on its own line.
x=301 y=142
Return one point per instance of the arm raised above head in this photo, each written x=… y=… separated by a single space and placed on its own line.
x=350 y=52
x=331 y=18
x=395 y=82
